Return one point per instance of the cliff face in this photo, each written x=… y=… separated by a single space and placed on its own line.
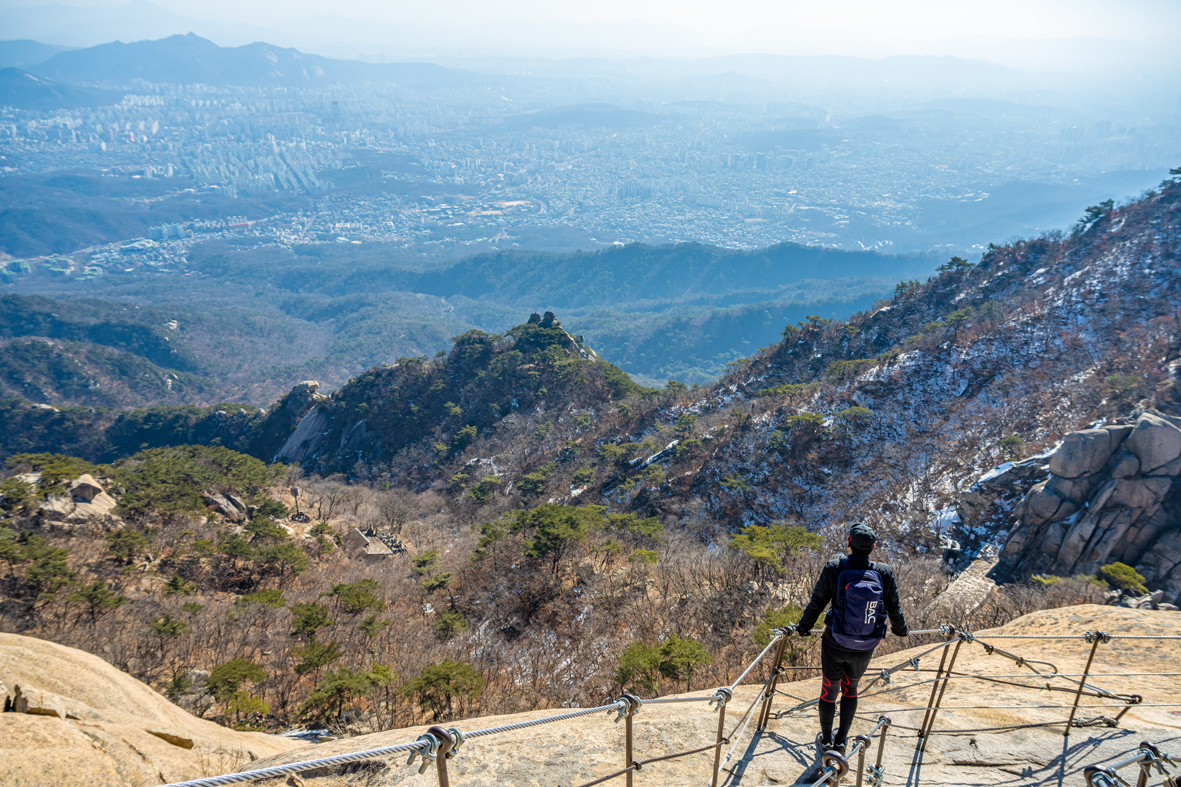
x=1110 y=495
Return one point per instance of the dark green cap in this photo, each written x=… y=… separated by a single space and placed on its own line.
x=861 y=537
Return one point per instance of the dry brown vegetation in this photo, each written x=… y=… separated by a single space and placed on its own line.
x=538 y=631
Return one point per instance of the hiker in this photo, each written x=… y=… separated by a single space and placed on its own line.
x=863 y=593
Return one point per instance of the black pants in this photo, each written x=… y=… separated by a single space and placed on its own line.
x=842 y=670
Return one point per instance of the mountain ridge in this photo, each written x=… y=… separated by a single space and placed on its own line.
x=187 y=59
x=22 y=90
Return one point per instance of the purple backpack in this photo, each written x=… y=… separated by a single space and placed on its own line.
x=857 y=620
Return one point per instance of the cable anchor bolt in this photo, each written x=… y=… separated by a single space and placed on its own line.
x=429 y=755
x=458 y=739
x=1156 y=758
x=721 y=698
x=631 y=706
x=1103 y=777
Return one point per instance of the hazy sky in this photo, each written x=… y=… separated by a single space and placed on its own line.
x=1095 y=34
x=1128 y=19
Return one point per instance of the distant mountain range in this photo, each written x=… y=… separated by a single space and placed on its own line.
x=24 y=53
x=188 y=59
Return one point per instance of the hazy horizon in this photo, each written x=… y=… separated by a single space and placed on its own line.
x=1047 y=35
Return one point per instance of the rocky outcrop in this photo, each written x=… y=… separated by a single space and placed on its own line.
x=86 y=504
x=575 y=346
x=76 y=720
x=304 y=443
x=1110 y=496
x=303 y=397
x=231 y=507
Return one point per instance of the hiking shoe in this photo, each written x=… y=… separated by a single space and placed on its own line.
x=839 y=748
x=821 y=744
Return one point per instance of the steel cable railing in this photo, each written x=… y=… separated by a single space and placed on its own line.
x=439 y=745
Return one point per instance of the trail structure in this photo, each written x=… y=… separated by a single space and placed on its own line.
x=438 y=745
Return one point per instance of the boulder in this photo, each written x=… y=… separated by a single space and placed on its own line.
x=1119 y=433
x=220 y=505
x=1040 y=506
x=1112 y=525
x=237 y=503
x=1124 y=465
x=1172 y=585
x=1140 y=493
x=303 y=397
x=1075 y=490
x=1169 y=468
x=1080 y=532
x=1155 y=442
x=99 y=508
x=1052 y=540
x=1083 y=453
x=1162 y=558
x=85 y=489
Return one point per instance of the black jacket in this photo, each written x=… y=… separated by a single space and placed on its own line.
x=826 y=590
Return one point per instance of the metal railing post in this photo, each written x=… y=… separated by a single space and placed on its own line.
x=862 y=741
x=926 y=735
x=1095 y=637
x=627 y=748
x=769 y=695
x=934 y=689
x=875 y=778
x=723 y=696
x=633 y=706
x=445 y=744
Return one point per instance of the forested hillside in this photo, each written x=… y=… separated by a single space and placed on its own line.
x=636 y=273
x=250 y=321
